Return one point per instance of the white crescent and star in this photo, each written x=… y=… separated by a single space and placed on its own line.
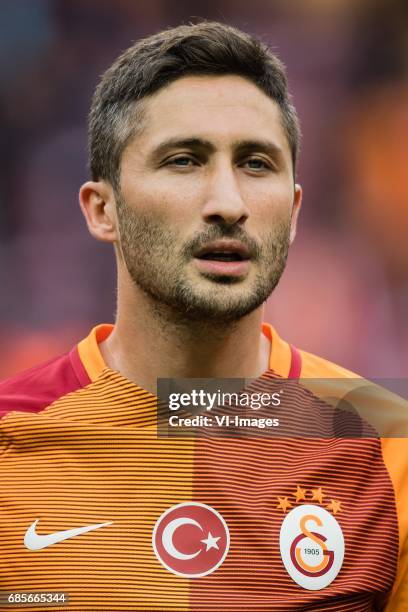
x=168 y=533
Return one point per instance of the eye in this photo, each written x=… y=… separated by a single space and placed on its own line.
x=256 y=163
x=183 y=161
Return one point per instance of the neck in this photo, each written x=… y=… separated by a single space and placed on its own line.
x=149 y=341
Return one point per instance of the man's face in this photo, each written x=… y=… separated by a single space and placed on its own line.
x=206 y=198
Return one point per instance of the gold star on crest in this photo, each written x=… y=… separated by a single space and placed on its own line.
x=334 y=506
x=317 y=495
x=284 y=503
x=300 y=494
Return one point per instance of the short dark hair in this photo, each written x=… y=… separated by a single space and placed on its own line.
x=206 y=48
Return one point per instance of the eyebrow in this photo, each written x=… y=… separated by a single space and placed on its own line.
x=240 y=146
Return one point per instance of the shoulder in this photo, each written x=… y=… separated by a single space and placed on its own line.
x=289 y=361
x=313 y=366
x=36 y=388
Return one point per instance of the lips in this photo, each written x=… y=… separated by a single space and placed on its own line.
x=223 y=259
x=223 y=250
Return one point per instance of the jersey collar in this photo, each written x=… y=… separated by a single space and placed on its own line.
x=280 y=361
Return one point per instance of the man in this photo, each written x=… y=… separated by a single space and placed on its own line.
x=193 y=146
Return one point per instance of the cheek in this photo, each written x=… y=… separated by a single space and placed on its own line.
x=162 y=203
x=270 y=204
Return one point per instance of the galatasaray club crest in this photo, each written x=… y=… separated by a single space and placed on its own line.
x=191 y=539
x=311 y=541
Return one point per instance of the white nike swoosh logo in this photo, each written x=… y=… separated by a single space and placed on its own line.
x=33 y=541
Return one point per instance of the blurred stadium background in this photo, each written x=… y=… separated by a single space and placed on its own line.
x=345 y=291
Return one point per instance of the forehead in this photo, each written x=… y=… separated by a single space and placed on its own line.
x=223 y=109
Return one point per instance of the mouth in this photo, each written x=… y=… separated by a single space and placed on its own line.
x=223 y=258
x=223 y=250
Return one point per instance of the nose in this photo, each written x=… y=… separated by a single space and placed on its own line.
x=224 y=202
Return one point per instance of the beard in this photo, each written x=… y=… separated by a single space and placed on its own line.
x=157 y=261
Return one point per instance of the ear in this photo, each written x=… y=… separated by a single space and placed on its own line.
x=297 y=203
x=97 y=202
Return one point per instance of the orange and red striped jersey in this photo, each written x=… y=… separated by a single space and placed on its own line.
x=96 y=505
